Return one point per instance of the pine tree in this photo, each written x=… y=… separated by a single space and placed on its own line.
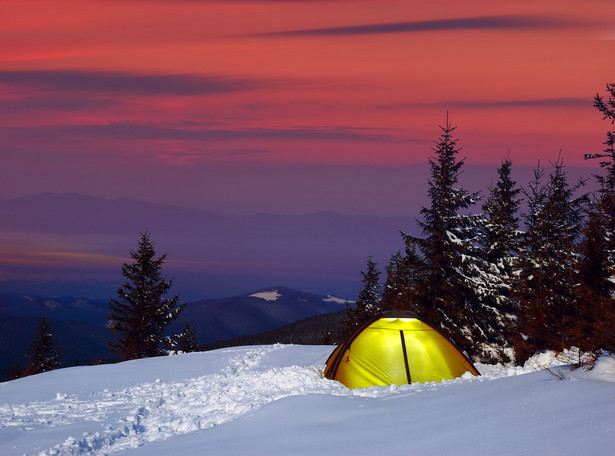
x=530 y=335
x=187 y=341
x=327 y=336
x=607 y=108
x=607 y=162
x=594 y=288
x=396 y=285
x=548 y=265
x=44 y=350
x=141 y=313
x=452 y=286
x=500 y=246
x=368 y=302
x=604 y=329
x=404 y=273
x=563 y=266
x=502 y=230
x=349 y=324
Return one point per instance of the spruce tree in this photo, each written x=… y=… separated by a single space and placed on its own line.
x=44 y=350
x=396 y=285
x=452 y=284
x=404 y=273
x=187 y=341
x=368 y=302
x=604 y=332
x=594 y=288
x=565 y=212
x=140 y=313
x=607 y=162
x=501 y=241
x=500 y=246
x=548 y=265
x=530 y=334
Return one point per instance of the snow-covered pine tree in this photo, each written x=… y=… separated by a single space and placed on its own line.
x=141 y=313
x=449 y=294
x=44 y=350
x=502 y=227
x=500 y=246
x=404 y=272
x=607 y=162
x=605 y=325
x=368 y=302
x=394 y=286
x=548 y=265
x=530 y=334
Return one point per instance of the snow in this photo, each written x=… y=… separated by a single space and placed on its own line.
x=273 y=400
x=330 y=298
x=272 y=295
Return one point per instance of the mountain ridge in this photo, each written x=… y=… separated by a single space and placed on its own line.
x=246 y=314
x=80 y=324
x=81 y=241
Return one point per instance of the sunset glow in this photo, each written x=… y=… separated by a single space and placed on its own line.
x=195 y=83
x=286 y=106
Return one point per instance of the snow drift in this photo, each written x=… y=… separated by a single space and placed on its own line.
x=273 y=400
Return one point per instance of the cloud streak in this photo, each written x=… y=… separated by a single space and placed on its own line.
x=546 y=102
x=58 y=102
x=495 y=104
x=468 y=23
x=135 y=131
x=121 y=83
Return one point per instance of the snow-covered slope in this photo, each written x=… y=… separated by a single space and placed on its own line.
x=272 y=400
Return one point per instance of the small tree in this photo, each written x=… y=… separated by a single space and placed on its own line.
x=368 y=303
x=141 y=313
x=396 y=286
x=404 y=273
x=44 y=347
x=187 y=341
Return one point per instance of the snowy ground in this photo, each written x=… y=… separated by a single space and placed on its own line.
x=272 y=400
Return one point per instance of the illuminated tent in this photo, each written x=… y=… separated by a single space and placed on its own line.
x=397 y=347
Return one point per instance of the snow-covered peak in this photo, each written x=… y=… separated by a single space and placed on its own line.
x=330 y=298
x=272 y=295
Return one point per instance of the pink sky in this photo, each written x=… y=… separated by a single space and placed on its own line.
x=293 y=106
x=109 y=97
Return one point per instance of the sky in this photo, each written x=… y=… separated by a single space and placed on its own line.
x=221 y=104
x=293 y=107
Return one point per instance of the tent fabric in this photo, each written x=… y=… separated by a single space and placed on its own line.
x=396 y=348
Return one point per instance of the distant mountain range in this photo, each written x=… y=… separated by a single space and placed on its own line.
x=71 y=244
x=253 y=313
x=63 y=308
x=80 y=323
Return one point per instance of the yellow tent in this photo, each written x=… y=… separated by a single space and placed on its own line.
x=397 y=347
